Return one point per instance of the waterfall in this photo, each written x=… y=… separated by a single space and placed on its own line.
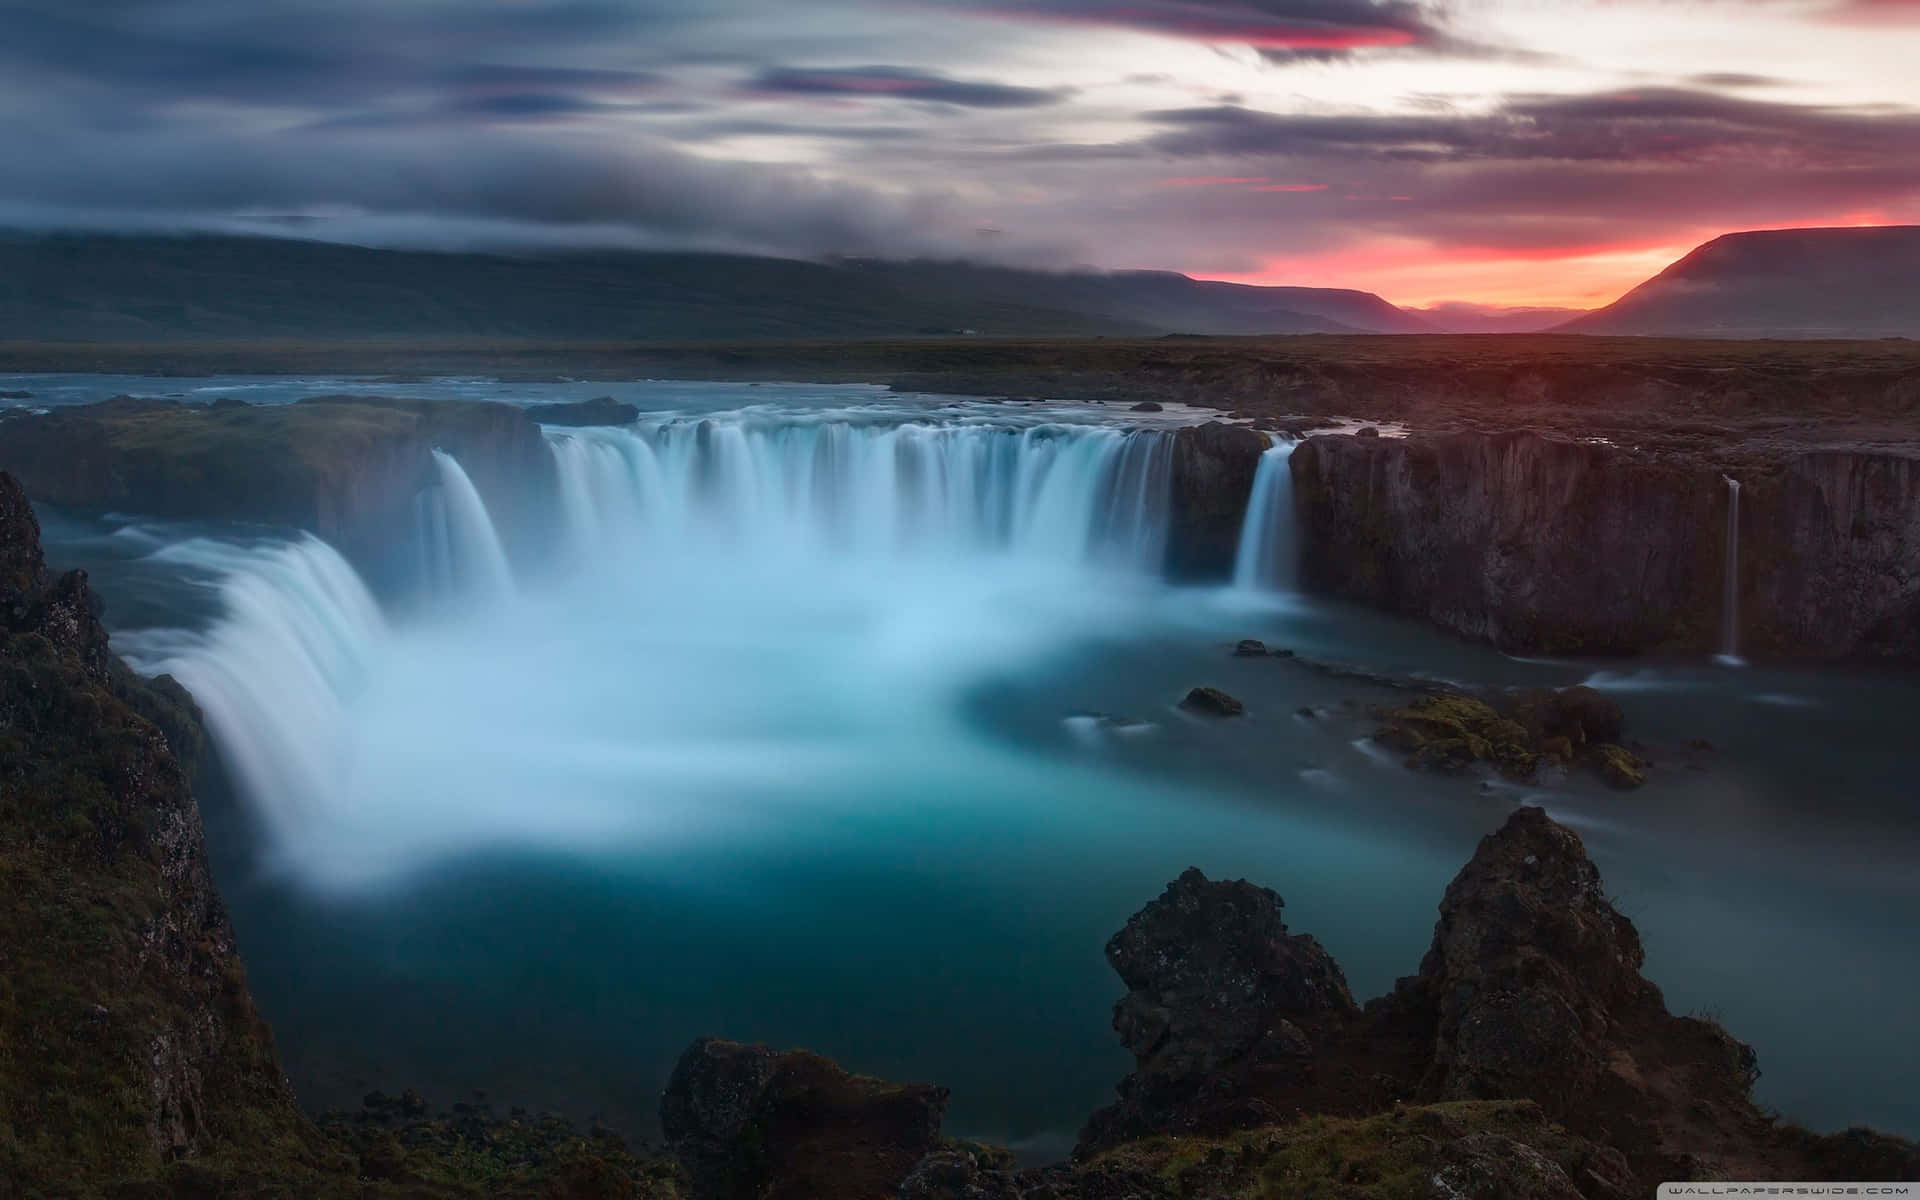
x=1730 y=598
x=743 y=604
x=277 y=672
x=1269 y=553
x=467 y=551
x=1081 y=494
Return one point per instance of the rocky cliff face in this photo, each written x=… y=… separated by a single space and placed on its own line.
x=347 y=468
x=130 y=1039
x=1212 y=478
x=1543 y=544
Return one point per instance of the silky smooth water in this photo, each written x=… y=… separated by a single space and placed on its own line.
x=848 y=720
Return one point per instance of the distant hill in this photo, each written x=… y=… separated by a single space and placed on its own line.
x=1784 y=283
x=1456 y=316
x=1164 y=299
x=72 y=287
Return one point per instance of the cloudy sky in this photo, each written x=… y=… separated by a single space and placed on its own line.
x=1494 y=151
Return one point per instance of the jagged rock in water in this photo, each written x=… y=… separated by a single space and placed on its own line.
x=1147 y=406
x=1250 y=648
x=1214 y=980
x=752 y=1123
x=601 y=410
x=1212 y=702
x=1530 y=992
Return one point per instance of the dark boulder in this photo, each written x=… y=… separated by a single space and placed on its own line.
x=1531 y=967
x=1147 y=406
x=601 y=410
x=752 y=1123
x=1215 y=983
x=1212 y=702
x=1250 y=648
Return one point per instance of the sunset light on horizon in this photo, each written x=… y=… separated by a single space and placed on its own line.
x=1501 y=152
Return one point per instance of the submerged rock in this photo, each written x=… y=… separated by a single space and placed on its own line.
x=1147 y=406
x=1212 y=702
x=752 y=1123
x=1249 y=648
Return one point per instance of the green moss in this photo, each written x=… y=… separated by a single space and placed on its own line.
x=1617 y=765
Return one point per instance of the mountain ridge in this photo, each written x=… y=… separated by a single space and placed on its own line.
x=122 y=287
x=1816 y=282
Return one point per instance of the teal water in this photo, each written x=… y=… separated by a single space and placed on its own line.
x=851 y=800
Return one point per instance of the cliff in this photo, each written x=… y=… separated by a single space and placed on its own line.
x=129 y=1037
x=1547 y=544
x=1211 y=480
x=346 y=468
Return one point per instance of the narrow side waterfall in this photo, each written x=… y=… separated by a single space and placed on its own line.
x=469 y=556
x=1730 y=596
x=1268 y=559
x=1078 y=494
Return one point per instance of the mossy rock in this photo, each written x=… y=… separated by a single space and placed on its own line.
x=1618 y=765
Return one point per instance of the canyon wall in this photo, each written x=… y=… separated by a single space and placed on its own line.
x=347 y=468
x=1540 y=544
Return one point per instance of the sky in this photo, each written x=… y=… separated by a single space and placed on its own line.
x=1480 y=152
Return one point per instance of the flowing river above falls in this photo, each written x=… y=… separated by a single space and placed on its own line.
x=839 y=719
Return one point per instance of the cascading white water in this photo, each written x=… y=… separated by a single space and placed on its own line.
x=1268 y=556
x=298 y=637
x=469 y=557
x=1730 y=595
x=1062 y=493
x=752 y=611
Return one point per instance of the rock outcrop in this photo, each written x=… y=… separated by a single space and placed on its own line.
x=347 y=468
x=1541 y=544
x=1217 y=989
x=1513 y=733
x=131 y=1038
x=1212 y=479
x=750 y=1123
x=1531 y=992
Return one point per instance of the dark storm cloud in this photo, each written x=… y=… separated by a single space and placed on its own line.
x=519 y=186
x=899 y=83
x=1281 y=30
x=1646 y=126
